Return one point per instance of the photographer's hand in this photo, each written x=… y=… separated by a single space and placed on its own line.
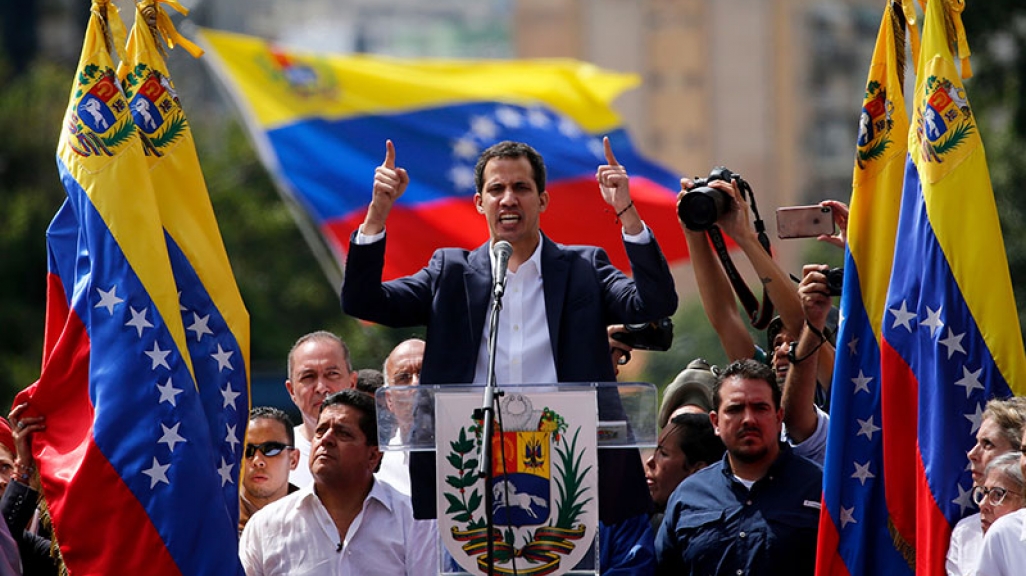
x=621 y=352
x=614 y=184
x=840 y=211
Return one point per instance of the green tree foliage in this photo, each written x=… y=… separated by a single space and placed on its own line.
x=997 y=38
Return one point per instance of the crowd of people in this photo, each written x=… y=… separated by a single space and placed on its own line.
x=733 y=485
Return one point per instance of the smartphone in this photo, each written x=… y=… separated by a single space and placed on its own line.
x=804 y=221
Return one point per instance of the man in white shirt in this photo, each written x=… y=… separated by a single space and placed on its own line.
x=1003 y=551
x=318 y=365
x=347 y=522
x=401 y=368
x=1000 y=429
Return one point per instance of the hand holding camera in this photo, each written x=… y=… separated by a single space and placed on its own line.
x=815 y=291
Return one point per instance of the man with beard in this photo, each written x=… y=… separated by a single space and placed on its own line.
x=756 y=511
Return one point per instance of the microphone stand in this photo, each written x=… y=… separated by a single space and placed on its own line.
x=487 y=412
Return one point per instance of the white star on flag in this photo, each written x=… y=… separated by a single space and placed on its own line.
x=847 y=516
x=862 y=472
x=229 y=394
x=537 y=118
x=963 y=499
x=861 y=383
x=225 y=471
x=157 y=473
x=953 y=343
x=976 y=418
x=970 y=380
x=108 y=299
x=231 y=438
x=509 y=117
x=465 y=149
x=462 y=177
x=867 y=427
x=569 y=128
x=853 y=346
x=483 y=127
x=933 y=320
x=158 y=356
x=199 y=326
x=171 y=436
x=222 y=357
x=138 y=321
x=902 y=317
x=168 y=393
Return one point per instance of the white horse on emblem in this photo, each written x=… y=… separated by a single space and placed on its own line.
x=142 y=108
x=93 y=107
x=523 y=500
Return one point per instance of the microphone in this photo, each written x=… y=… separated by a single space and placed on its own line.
x=501 y=251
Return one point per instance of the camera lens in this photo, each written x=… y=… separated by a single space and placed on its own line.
x=700 y=208
x=835 y=281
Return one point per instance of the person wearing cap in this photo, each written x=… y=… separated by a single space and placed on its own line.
x=690 y=391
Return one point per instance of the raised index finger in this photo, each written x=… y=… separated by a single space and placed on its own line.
x=610 y=159
x=389 y=155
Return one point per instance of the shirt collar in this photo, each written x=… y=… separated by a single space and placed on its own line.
x=535 y=256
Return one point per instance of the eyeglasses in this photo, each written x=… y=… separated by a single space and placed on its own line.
x=269 y=449
x=996 y=495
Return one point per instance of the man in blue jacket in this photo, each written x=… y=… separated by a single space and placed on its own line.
x=557 y=304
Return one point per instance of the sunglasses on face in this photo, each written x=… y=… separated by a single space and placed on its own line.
x=269 y=449
x=996 y=495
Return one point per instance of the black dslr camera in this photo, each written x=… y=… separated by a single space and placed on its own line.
x=835 y=280
x=702 y=206
x=656 y=335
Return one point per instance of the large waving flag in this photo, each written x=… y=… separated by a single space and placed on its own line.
x=951 y=335
x=320 y=123
x=128 y=466
x=215 y=318
x=950 y=338
x=855 y=535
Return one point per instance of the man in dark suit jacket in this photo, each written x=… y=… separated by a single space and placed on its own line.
x=582 y=292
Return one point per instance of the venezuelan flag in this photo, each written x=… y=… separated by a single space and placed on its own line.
x=215 y=318
x=320 y=123
x=854 y=534
x=951 y=338
x=127 y=463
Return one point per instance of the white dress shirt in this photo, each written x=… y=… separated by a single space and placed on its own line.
x=296 y=536
x=964 y=547
x=523 y=350
x=301 y=476
x=395 y=466
x=1004 y=546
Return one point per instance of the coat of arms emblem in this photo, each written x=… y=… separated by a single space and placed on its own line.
x=541 y=482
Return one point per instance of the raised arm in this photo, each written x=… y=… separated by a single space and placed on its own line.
x=715 y=291
x=614 y=184
x=389 y=184
x=737 y=224
x=798 y=400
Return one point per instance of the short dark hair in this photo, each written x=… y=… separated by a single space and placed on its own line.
x=319 y=335
x=697 y=438
x=368 y=380
x=272 y=413
x=750 y=370
x=512 y=150
x=364 y=403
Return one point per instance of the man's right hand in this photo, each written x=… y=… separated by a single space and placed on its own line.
x=389 y=184
x=815 y=294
